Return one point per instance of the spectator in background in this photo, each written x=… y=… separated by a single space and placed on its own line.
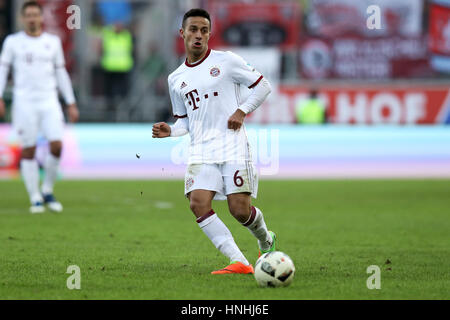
x=311 y=110
x=117 y=62
x=113 y=11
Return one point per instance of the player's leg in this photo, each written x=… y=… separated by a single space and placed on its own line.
x=241 y=183
x=200 y=201
x=202 y=183
x=51 y=168
x=25 y=123
x=53 y=129
x=252 y=218
x=29 y=169
x=217 y=232
x=212 y=226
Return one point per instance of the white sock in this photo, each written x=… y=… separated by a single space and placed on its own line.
x=30 y=173
x=220 y=236
x=256 y=225
x=51 y=173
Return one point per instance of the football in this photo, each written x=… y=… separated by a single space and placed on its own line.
x=274 y=269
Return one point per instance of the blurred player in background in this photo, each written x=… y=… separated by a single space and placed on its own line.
x=38 y=64
x=205 y=96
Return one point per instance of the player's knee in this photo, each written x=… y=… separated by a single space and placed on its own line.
x=28 y=153
x=240 y=209
x=198 y=207
x=56 y=148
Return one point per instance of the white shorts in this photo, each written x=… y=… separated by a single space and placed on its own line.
x=223 y=178
x=29 y=119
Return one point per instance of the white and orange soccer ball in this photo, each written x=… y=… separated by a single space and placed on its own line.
x=274 y=269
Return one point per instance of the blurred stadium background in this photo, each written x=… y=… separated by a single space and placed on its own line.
x=386 y=99
x=386 y=91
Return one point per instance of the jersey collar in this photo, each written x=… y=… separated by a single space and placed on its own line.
x=191 y=65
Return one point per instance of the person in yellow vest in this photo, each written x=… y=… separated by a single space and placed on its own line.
x=311 y=110
x=117 y=62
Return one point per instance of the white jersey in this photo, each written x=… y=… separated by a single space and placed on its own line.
x=208 y=93
x=34 y=60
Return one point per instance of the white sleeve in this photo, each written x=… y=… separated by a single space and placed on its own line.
x=178 y=107
x=62 y=77
x=257 y=97
x=180 y=127
x=6 y=60
x=7 y=55
x=4 y=70
x=242 y=72
x=60 y=61
x=65 y=85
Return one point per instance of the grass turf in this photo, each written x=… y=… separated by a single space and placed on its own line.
x=138 y=240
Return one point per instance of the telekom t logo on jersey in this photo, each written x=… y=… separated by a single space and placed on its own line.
x=190 y=96
x=193 y=99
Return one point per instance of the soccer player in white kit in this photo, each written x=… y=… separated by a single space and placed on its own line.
x=205 y=96
x=37 y=60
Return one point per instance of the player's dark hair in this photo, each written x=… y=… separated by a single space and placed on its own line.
x=30 y=4
x=197 y=12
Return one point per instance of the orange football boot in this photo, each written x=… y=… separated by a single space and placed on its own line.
x=236 y=267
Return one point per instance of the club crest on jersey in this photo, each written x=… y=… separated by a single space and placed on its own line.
x=214 y=72
x=189 y=183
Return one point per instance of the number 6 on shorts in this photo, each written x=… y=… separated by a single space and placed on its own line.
x=238 y=181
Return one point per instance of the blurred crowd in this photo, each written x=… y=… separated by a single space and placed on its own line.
x=122 y=57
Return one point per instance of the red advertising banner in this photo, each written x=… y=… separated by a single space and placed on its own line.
x=338 y=43
x=9 y=153
x=420 y=104
x=338 y=18
x=364 y=58
x=258 y=24
x=255 y=24
x=439 y=34
x=440 y=29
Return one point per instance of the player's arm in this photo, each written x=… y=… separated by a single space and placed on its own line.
x=4 y=70
x=256 y=98
x=163 y=130
x=181 y=126
x=259 y=93
x=243 y=73
x=5 y=62
x=65 y=85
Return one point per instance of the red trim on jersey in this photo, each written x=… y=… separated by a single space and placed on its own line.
x=191 y=65
x=256 y=82
x=179 y=117
x=205 y=216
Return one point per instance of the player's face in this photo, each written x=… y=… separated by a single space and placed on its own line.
x=196 y=34
x=32 y=19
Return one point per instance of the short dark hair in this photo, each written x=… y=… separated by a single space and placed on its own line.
x=31 y=4
x=197 y=12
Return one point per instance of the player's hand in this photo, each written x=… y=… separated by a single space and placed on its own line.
x=236 y=120
x=2 y=108
x=73 y=113
x=161 y=130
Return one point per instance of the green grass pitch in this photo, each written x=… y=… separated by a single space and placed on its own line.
x=138 y=240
